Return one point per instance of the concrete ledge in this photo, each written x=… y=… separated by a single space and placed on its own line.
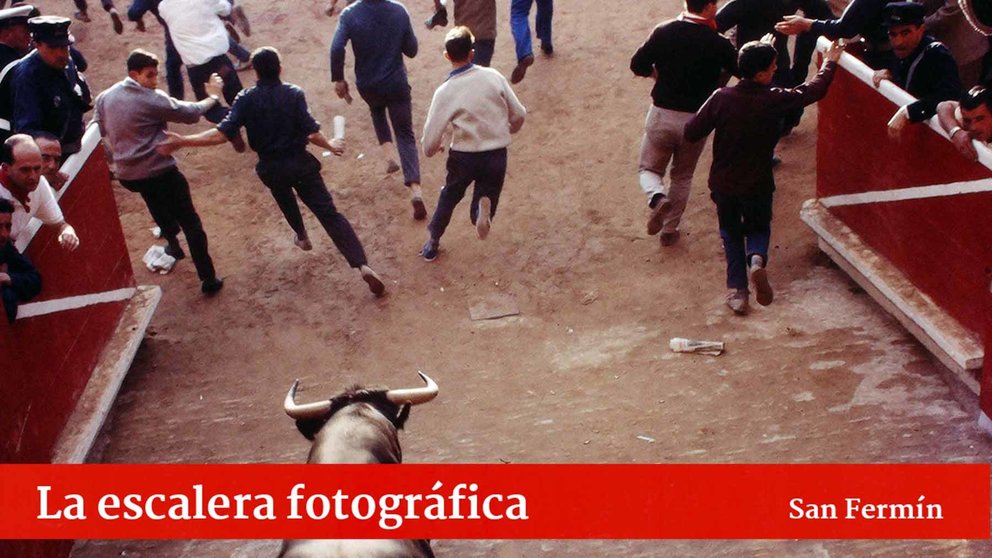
x=97 y=399
x=957 y=348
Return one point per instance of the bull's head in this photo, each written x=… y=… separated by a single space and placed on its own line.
x=394 y=404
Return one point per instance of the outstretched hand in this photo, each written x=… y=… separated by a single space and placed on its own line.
x=794 y=25
x=172 y=142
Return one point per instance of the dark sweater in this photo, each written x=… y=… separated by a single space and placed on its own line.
x=746 y=119
x=690 y=59
x=931 y=75
x=380 y=33
x=25 y=281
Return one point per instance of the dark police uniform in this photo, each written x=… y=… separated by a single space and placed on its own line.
x=49 y=99
x=8 y=56
x=929 y=73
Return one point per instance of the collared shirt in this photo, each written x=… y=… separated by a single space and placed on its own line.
x=42 y=205
x=381 y=34
x=689 y=58
x=276 y=117
x=133 y=120
x=746 y=119
x=930 y=74
x=196 y=28
x=49 y=100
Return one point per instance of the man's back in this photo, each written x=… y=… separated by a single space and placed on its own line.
x=689 y=58
x=380 y=33
x=276 y=117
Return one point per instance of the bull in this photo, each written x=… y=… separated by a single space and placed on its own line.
x=359 y=426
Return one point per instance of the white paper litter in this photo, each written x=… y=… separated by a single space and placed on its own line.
x=157 y=261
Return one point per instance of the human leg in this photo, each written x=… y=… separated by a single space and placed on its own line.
x=173 y=69
x=729 y=213
x=756 y=219
x=520 y=27
x=484 y=49
x=542 y=24
x=157 y=208
x=176 y=192
x=380 y=123
x=400 y=115
x=657 y=147
x=684 y=159
x=237 y=50
x=278 y=180
x=490 y=172
x=459 y=177
x=312 y=190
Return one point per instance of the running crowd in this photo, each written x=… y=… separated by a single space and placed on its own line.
x=44 y=96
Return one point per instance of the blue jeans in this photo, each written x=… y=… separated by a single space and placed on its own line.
x=519 y=25
x=398 y=105
x=746 y=228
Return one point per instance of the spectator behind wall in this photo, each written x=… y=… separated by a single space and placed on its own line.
x=19 y=280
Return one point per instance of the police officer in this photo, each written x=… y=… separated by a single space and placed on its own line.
x=923 y=66
x=48 y=91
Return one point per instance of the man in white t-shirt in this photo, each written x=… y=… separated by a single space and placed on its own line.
x=968 y=121
x=21 y=182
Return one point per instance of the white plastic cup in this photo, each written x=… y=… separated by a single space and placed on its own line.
x=339 y=127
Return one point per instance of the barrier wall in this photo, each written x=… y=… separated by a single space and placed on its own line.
x=65 y=356
x=906 y=218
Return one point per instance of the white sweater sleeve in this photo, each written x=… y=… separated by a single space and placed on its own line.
x=515 y=110
x=435 y=124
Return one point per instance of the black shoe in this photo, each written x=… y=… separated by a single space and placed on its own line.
x=116 y=19
x=211 y=287
x=176 y=251
x=547 y=48
x=438 y=19
x=429 y=251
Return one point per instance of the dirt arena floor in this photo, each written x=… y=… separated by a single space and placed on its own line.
x=583 y=373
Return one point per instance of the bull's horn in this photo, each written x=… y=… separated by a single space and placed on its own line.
x=414 y=396
x=307 y=410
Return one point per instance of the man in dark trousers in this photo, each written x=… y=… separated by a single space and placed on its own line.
x=746 y=119
x=687 y=59
x=280 y=126
x=923 y=66
x=19 y=280
x=381 y=35
x=133 y=115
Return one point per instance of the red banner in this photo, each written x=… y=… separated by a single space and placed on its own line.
x=494 y=501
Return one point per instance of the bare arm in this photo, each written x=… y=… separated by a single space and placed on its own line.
x=174 y=141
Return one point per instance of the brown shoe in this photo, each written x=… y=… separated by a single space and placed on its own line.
x=658 y=214
x=419 y=209
x=115 y=18
x=521 y=70
x=763 y=293
x=737 y=301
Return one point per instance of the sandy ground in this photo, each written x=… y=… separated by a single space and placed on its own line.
x=823 y=375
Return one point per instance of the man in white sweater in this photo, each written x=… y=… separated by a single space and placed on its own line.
x=483 y=111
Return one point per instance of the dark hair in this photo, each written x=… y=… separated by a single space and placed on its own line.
x=266 y=62
x=976 y=97
x=140 y=59
x=43 y=135
x=755 y=57
x=458 y=43
x=6 y=206
x=7 y=149
x=697 y=6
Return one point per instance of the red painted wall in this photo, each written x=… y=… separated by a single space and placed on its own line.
x=48 y=359
x=942 y=244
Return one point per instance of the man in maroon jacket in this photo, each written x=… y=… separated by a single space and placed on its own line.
x=746 y=119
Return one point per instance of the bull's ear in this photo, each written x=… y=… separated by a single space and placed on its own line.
x=402 y=416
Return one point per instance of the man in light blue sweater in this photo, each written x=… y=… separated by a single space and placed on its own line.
x=381 y=34
x=483 y=111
